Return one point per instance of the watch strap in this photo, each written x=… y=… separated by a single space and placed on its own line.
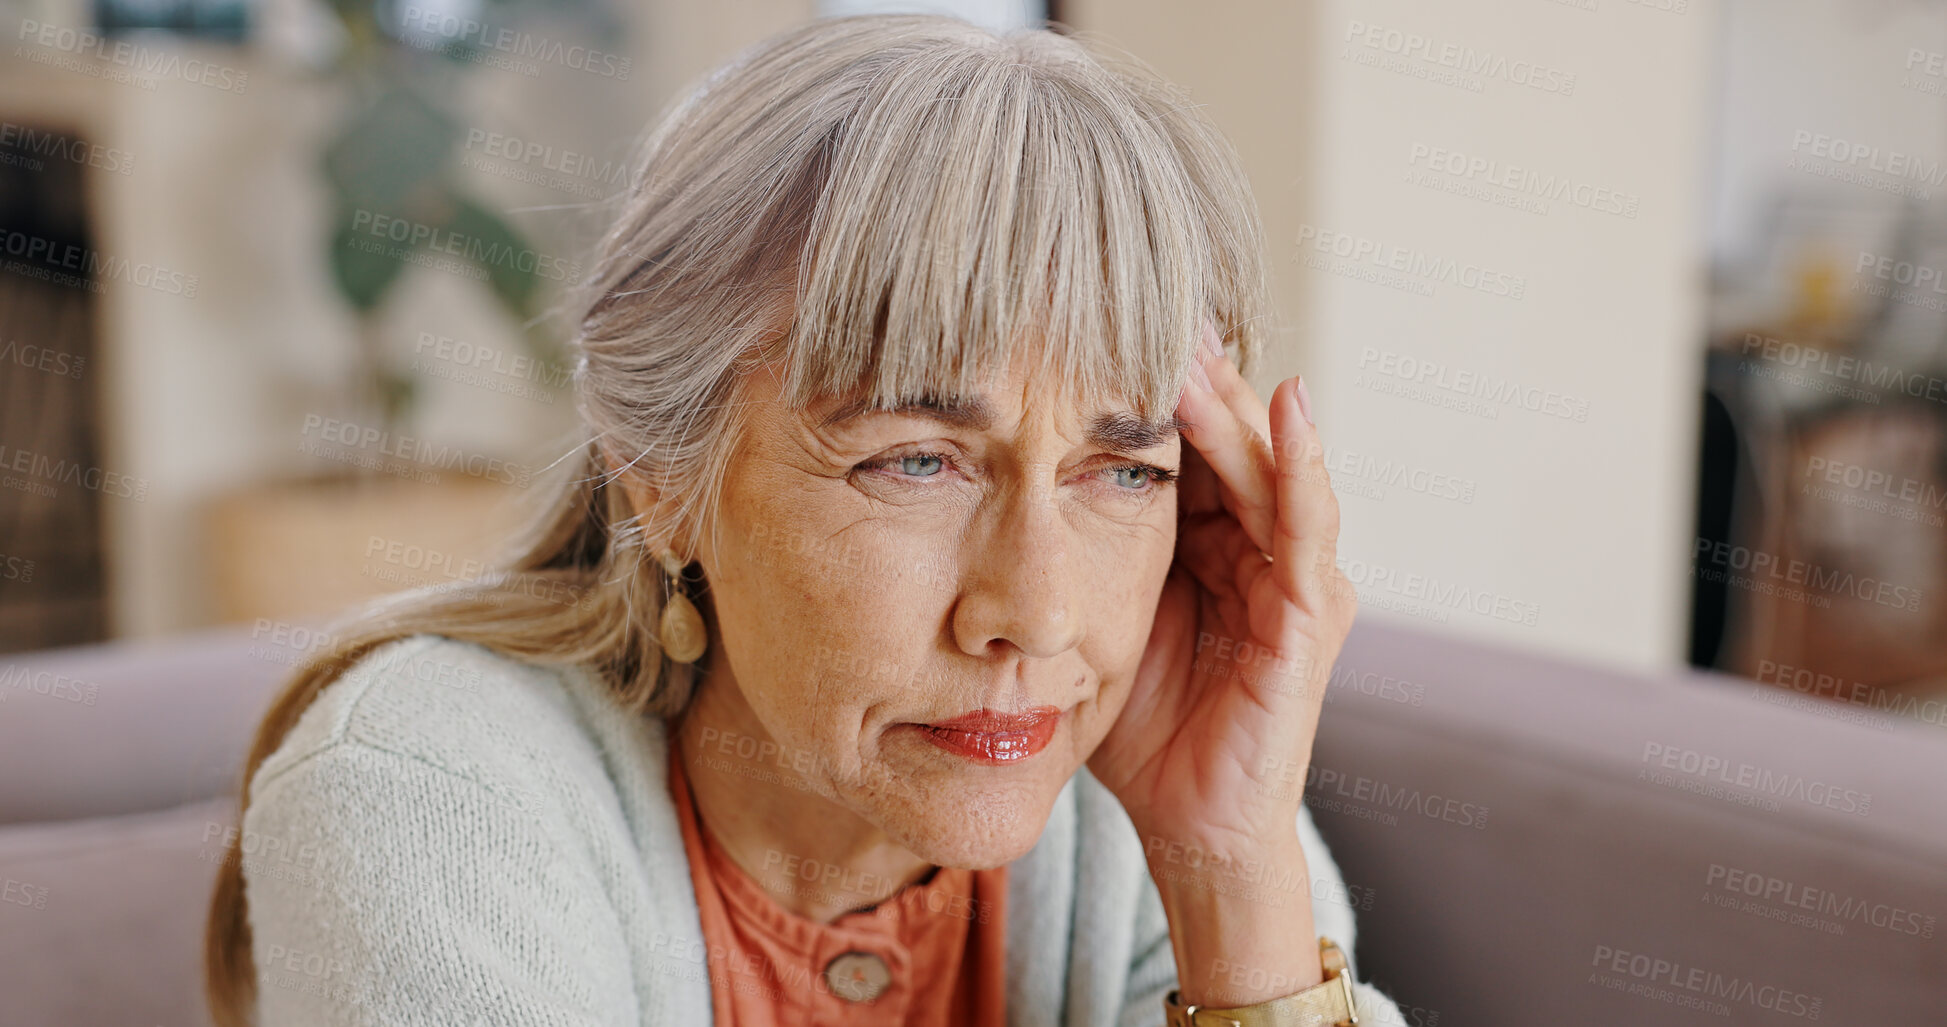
x=1326 y=1004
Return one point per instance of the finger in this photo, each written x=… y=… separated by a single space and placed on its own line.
x=1228 y=382
x=1240 y=457
x=1306 y=527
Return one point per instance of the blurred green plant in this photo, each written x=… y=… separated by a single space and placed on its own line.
x=390 y=165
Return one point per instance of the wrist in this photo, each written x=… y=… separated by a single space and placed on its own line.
x=1240 y=920
x=1268 y=864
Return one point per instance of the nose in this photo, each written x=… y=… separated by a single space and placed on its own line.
x=1020 y=585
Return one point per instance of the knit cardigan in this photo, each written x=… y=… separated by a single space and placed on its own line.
x=451 y=836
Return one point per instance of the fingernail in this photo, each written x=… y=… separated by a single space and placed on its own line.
x=1305 y=402
x=1211 y=341
x=1197 y=375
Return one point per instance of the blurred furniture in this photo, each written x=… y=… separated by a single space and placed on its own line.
x=295 y=549
x=53 y=485
x=1505 y=823
x=116 y=763
x=1633 y=815
x=1846 y=496
x=1822 y=531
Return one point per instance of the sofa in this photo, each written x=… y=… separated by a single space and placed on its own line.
x=1527 y=840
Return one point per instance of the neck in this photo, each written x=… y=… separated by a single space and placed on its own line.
x=817 y=858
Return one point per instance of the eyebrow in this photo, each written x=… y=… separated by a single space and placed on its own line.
x=972 y=413
x=1121 y=430
x=1126 y=431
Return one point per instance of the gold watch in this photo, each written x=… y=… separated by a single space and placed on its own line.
x=1325 y=1004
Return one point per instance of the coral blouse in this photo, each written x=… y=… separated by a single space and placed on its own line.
x=930 y=955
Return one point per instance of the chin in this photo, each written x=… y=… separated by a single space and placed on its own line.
x=977 y=830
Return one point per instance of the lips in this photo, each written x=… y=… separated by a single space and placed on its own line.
x=990 y=736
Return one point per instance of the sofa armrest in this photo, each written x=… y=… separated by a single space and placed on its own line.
x=1526 y=828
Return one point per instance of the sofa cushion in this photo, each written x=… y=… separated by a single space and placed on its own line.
x=101 y=919
x=126 y=727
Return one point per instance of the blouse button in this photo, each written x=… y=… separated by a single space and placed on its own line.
x=857 y=976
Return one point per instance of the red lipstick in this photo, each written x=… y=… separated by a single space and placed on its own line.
x=989 y=736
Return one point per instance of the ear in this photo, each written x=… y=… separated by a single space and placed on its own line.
x=658 y=514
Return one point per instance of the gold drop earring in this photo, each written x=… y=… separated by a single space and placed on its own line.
x=683 y=634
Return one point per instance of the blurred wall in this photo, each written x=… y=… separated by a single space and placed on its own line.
x=1486 y=220
x=1246 y=63
x=1872 y=75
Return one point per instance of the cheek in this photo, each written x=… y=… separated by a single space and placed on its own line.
x=826 y=613
x=1125 y=571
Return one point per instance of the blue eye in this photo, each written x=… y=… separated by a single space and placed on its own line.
x=930 y=460
x=1142 y=476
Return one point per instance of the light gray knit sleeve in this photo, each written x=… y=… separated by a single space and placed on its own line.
x=387 y=890
x=1152 y=973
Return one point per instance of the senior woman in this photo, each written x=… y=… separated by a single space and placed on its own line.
x=933 y=631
